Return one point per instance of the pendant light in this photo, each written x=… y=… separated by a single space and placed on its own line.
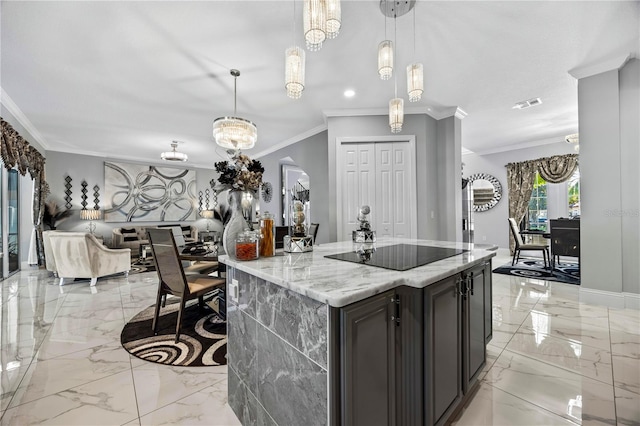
x=174 y=155
x=396 y=105
x=315 y=24
x=415 y=72
x=385 y=56
x=294 y=66
x=235 y=132
x=334 y=18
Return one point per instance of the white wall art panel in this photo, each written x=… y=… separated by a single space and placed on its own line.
x=143 y=193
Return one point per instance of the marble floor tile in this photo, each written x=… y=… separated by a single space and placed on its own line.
x=557 y=390
x=627 y=320
x=572 y=310
x=492 y=406
x=585 y=360
x=108 y=401
x=627 y=407
x=160 y=385
x=626 y=372
x=10 y=379
x=47 y=377
x=623 y=343
x=206 y=407
x=573 y=329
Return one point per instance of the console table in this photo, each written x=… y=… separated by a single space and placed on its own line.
x=565 y=239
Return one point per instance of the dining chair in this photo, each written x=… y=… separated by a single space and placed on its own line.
x=313 y=231
x=173 y=280
x=520 y=245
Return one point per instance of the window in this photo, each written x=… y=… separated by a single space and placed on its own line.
x=537 y=213
x=574 y=194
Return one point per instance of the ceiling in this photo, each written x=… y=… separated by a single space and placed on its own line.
x=124 y=79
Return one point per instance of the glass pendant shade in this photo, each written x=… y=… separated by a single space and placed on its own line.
x=396 y=114
x=385 y=59
x=315 y=23
x=235 y=132
x=174 y=155
x=334 y=18
x=90 y=214
x=294 y=72
x=415 y=84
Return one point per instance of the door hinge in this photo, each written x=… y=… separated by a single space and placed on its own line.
x=396 y=309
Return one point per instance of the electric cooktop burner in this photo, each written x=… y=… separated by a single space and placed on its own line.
x=400 y=257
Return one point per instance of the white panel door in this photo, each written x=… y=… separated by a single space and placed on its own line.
x=381 y=175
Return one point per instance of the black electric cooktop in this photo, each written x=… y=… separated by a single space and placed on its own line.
x=400 y=257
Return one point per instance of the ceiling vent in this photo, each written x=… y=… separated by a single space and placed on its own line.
x=527 y=104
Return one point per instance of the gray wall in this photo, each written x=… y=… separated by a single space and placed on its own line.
x=491 y=226
x=425 y=130
x=25 y=189
x=449 y=154
x=609 y=107
x=91 y=168
x=309 y=154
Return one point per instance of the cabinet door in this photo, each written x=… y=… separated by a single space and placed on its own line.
x=368 y=352
x=474 y=335
x=443 y=349
x=488 y=303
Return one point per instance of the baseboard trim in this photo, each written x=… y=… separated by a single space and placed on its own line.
x=611 y=299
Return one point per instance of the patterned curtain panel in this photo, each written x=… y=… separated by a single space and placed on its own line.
x=558 y=168
x=17 y=152
x=520 y=177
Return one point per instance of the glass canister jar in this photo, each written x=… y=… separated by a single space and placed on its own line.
x=247 y=245
x=267 y=235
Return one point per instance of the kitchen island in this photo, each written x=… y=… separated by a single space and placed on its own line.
x=314 y=340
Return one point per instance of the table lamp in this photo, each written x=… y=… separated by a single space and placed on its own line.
x=207 y=214
x=90 y=215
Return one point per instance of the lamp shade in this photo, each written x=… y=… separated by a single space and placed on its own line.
x=415 y=82
x=90 y=214
x=206 y=214
x=315 y=23
x=334 y=18
x=235 y=133
x=385 y=59
x=396 y=114
x=294 y=72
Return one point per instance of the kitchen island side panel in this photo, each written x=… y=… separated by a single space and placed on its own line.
x=277 y=354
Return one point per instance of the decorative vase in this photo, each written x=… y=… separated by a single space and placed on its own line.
x=237 y=223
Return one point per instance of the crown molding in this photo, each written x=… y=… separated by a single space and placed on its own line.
x=600 y=67
x=521 y=145
x=435 y=113
x=291 y=141
x=13 y=108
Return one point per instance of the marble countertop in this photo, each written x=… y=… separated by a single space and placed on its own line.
x=338 y=283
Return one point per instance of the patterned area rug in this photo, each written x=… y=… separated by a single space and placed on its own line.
x=203 y=338
x=564 y=272
x=139 y=266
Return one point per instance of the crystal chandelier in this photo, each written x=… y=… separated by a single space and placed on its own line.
x=235 y=132
x=315 y=23
x=294 y=66
x=415 y=73
x=385 y=59
x=396 y=114
x=334 y=18
x=174 y=155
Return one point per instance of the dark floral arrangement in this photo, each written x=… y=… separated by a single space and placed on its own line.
x=240 y=172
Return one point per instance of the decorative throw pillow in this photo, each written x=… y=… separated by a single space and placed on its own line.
x=186 y=231
x=129 y=234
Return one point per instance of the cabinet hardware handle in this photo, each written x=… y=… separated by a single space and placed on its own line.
x=470 y=283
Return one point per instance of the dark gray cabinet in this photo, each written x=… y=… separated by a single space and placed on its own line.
x=410 y=356
x=368 y=361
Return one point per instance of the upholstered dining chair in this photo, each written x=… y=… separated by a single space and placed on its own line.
x=172 y=279
x=520 y=245
x=313 y=231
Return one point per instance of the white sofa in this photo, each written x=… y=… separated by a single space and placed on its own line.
x=81 y=255
x=120 y=238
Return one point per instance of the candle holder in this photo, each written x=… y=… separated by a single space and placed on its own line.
x=298 y=240
x=364 y=234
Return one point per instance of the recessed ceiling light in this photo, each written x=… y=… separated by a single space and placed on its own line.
x=349 y=93
x=528 y=103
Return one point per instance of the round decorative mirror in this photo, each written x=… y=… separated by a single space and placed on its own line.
x=487 y=191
